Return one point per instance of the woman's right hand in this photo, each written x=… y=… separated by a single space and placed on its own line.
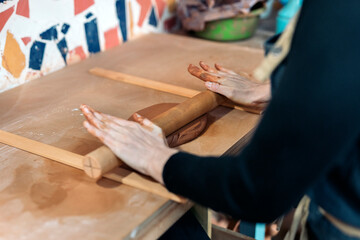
x=240 y=88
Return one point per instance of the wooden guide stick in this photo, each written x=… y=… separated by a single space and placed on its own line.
x=75 y=160
x=42 y=149
x=160 y=86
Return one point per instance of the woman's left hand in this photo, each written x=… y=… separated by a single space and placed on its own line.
x=140 y=144
x=239 y=87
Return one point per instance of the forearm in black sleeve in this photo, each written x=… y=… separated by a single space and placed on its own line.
x=311 y=122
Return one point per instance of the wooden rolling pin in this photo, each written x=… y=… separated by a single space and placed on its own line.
x=102 y=160
x=124 y=176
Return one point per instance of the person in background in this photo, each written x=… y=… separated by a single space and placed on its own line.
x=307 y=142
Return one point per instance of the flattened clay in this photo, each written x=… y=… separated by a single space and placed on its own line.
x=185 y=134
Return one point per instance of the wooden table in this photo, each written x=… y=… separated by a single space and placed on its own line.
x=42 y=199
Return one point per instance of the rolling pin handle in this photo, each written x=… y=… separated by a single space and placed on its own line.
x=100 y=161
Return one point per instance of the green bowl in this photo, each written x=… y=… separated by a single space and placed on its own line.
x=231 y=29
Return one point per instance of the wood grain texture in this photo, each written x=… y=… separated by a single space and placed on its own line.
x=41 y=199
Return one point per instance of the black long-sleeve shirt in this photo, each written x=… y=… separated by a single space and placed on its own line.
x=308 y=138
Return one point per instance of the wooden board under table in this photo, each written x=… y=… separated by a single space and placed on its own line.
x=42 y=199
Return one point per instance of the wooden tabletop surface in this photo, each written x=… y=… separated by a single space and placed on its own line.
x=42 y=199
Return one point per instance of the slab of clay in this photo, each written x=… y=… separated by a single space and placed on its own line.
x=185 y=134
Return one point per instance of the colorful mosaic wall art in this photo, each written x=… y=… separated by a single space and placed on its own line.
x=38 y=37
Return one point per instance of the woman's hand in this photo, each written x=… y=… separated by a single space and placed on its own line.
x=240 y=88
x=141 y=144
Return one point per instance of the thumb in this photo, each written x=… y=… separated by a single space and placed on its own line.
x=147 y=124
x=221 y=89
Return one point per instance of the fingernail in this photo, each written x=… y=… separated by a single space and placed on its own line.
x=138 y=117
x=85 y=109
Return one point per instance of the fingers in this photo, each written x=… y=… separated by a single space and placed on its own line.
x=144 y=121
x=195 y=71
x=108 y=137
x=147 y=124
x=206 y=73
x=206 y=67
x=222 y=69
x=94 y=131
x=102 y=125
x=239 y=75
x=87 y=113
x=108 y=132
x=138 y=118
x=93 y=117
x=221 y=89
x=102 y=120
x=118 y=121
x=202 y=74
